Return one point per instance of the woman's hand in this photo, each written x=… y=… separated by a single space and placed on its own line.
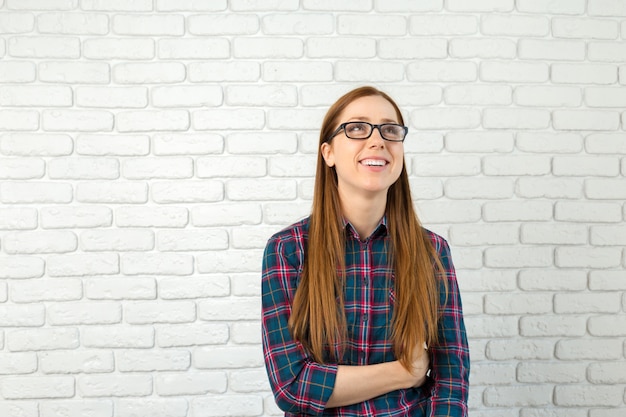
x=420 y=365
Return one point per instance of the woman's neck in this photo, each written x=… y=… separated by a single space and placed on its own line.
x=364 y=212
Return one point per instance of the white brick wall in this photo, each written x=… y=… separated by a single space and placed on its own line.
x=148 y=148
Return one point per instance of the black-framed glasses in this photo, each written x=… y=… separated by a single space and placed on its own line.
x=392 y=132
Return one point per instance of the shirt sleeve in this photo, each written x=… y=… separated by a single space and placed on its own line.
x=450 y=358
x=300 y=385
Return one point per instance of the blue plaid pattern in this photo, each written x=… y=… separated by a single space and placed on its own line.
x=303 y=387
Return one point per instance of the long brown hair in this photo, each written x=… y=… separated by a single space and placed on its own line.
x=318 y=320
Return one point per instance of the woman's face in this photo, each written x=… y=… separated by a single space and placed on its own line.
x=368 y=166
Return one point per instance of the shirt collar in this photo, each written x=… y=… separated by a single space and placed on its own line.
x=380 y=230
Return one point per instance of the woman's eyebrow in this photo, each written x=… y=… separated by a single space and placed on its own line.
x=367 y=119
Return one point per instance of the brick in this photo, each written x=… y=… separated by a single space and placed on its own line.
x=487 y=188
x=118 y=5
x=112 y=192
x=17 y=72
x=21 y=267
x=75 y=217
x=607 y=373
x=196 y=383
x=175 y=407
x=606 y=280
x=414 y=95
x=73 y=23
x=585 y=166
x=514 y=25
x=329 y=5
x=227 y=357
x=579 y=28
x=191 y=5
x=555 y=373
x=220 y=405
x=112 y=97
x=90 y=386
x=553 y=325
x=605 y=188
x=83 y=168
x=245 y=285
x=223 y=71
x=499 y=211
x=249 y=381
x=223 y=24
x=583 y=73
x=226 y=214
x=292 y=119
x=187 y=144
x=412 y=48
x=149 y=312
x=523 y=256
x=614 y=235
x=33 y=387
x=588 y=349
x=556 y=234
x=565 y=50
x=489 y=280
x=433 y=25
x=22 y=168
x=449 y=71
x=546 y=142
x=196 y=334
x=408 y=6
x=571 y=7
x=74 y=72
x=298 y=71
x=606 y=51
x=186 y=288
x=479 y=141
x=183 y=96
x=482 y=48
x=295 y=23
x=228 y=119
x=112 y=145
x=606 y=143
x=292 y=166
x=18 y=363
x=604 y=8
x=23 y=120
x=246 y=333
x=520 y=349
x=251 y=237
x=261 y=189
x=82 y=265
x=192 y=240
x=120 y=336
x=607 y=325
x=263 y=95
x=514 y=72
x=483 y=234
x=552 y=280
x=516 y=165
x=18 y=219
x=229 y=308
x=91 y=408
x=144 y=25
x=159 y=360
x=76 y=361
x=42 y=339
x=42 y=96
x=270 y=5
x=340 y=48
x=491 y=327
x=515 y=118
x=363 y=25
x=12 y=22
x=44 y=47
x=77 y=120
x=353 y=71
x=549 y=188
x=529 y=303
x=588 y=395
x=547 y=96
x=449 y=118
x=151 y=217
x=587 y=257
x=228 y=261
x=480 y=6
x=151 y=120
x=117 y=240
x=162 y=167
x=157 y=264
x=193 y=48
x=35 y=192
x=593 y=303
x=39 y=242
x=149 y=73
x=187 y=192
x=136 y=288
x=605 y=97
x=268 y=48
x=39 y=5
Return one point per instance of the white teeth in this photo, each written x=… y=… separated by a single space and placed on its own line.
x=373 y=162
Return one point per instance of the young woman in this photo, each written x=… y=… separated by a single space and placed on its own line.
x=354 y=293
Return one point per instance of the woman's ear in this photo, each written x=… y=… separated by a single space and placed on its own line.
x=327 y=153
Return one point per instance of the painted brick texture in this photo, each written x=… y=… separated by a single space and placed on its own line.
x=148 y=149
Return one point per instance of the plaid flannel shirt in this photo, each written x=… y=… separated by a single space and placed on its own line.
x=302 y=386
